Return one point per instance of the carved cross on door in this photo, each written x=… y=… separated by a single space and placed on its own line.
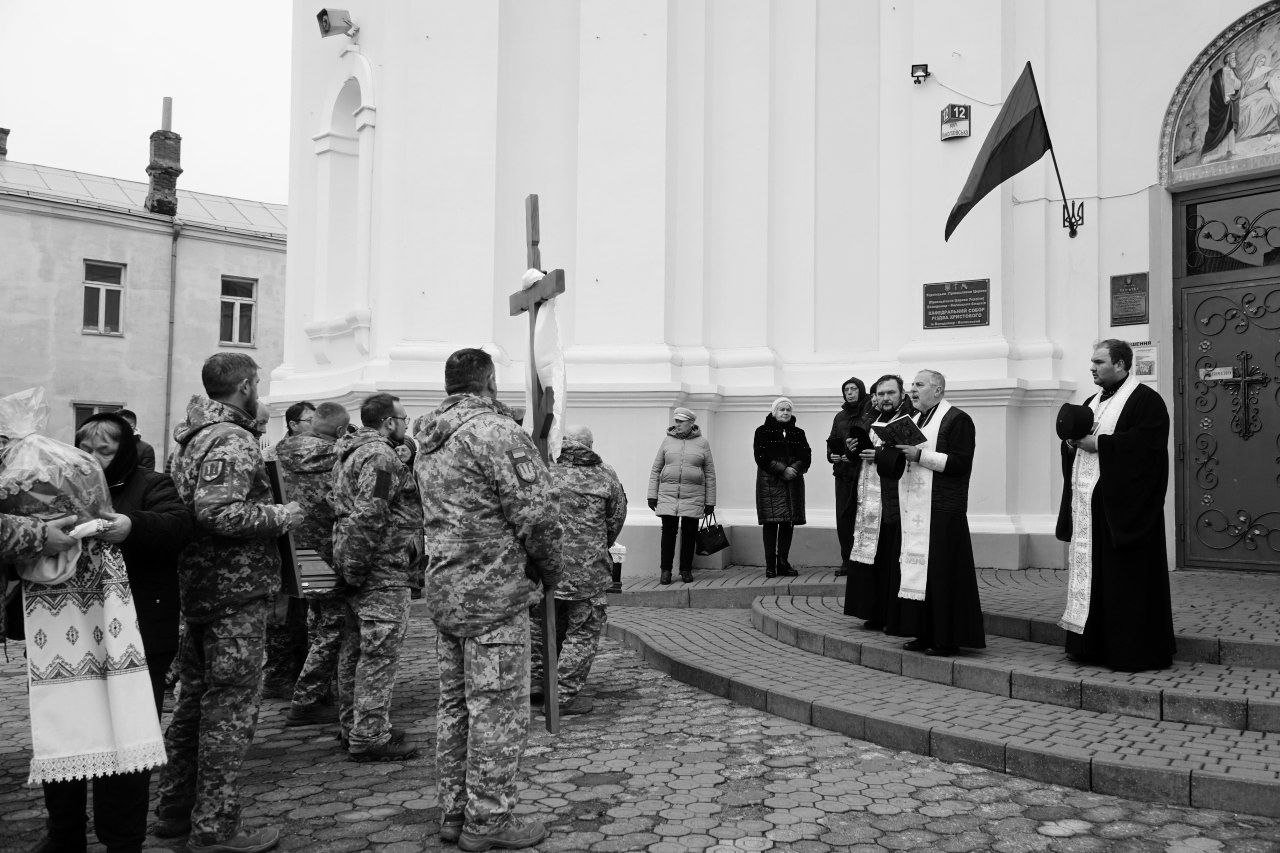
x=1244 y=386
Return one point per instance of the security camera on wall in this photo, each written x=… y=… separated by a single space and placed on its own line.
x=336 y=22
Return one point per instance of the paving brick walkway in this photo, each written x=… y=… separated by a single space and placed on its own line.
x=1212 y=694
x=1219 y=617
x=661 y=766
x=722 y=652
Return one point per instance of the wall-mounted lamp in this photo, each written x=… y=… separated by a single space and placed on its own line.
x=336 y=22
x=920 y=72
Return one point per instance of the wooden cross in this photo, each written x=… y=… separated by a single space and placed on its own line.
x=543 y=400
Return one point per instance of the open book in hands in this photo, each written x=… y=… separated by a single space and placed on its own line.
x=900 y=430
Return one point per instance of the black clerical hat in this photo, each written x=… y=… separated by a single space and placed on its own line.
x=891 y=463
x=1074 y=422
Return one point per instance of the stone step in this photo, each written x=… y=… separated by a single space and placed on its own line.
x=1226 y=618
x=1204 y=693
x=720 y=651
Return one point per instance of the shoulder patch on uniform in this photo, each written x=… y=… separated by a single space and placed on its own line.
x=522 y=461
x=212 y=470
x=382 y=484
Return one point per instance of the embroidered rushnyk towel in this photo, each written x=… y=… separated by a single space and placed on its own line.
x=92 y=710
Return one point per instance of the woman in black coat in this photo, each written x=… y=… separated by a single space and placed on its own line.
x=151 y=525
x=782 y=457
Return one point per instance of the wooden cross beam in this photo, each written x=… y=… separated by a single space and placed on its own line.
x=543 y=401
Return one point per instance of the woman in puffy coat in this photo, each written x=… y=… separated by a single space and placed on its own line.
x=782 y=457
x=682 y=489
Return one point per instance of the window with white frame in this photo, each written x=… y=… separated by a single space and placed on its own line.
x=238 y=302
x=84 y=411
x=103 y=294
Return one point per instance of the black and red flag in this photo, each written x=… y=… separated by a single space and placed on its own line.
x=1018 y=138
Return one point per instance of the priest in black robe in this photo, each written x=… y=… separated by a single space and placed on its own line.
x=1118 y=610
x=871 y=590
x=939 y=588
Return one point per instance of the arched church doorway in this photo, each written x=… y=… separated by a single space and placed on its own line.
x=1220 y=156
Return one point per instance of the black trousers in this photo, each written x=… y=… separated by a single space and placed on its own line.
x=777 y=542
x=119 y=812
x=846 y=513
x=119 y=801
x=688 y=528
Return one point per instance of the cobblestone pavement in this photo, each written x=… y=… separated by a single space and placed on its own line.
x=660 y=766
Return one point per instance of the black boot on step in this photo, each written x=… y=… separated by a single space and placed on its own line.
x=665 y=580
x=785 y=570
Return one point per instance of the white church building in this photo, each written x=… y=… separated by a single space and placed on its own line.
x=748 y=199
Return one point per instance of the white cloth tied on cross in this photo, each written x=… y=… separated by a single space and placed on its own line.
x=549 y=362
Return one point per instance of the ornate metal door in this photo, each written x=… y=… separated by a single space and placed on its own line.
x=1227 y=439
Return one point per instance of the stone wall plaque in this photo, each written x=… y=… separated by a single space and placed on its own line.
x=951 y=304
x=1129 y=302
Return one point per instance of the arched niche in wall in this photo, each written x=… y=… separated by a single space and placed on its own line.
x=344 y=151
x=1223 y=121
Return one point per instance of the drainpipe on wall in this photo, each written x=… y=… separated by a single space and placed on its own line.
x=168 y=360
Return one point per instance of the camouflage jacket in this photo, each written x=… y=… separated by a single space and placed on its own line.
x=490 y=512
x=307 y=465
x=593 y=507
x=377 y=530
x=21 y=538
x=218 y=470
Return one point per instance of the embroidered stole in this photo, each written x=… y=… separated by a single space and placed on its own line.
x=92 y=710
x=1084 y=477
x=866 y=524
x=916 y=496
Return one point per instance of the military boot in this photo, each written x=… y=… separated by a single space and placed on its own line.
x=770 y=564
x=515 y=835
x=665 y=577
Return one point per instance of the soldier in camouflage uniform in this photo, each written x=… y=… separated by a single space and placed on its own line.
x=492 y=536
x=307 y=463
x=593 y=508
x=287 y=644
x=377 y=538
x=226 y=578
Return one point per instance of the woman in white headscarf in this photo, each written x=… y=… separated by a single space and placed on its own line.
x=782 y=457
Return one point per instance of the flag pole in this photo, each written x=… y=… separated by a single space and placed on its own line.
x=1072 y=218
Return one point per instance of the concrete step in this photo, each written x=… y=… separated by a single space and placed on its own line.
x=1204 y=693
x=720 y=651
x=1228 y=618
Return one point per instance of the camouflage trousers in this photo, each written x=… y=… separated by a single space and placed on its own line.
x=482 y=722
x=374 y=626
x=325 y=617
x=286 y=646
x=220 y=678
x=579 y=625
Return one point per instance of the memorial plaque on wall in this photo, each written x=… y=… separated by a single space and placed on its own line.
x=949 y=304
x=1129 y=299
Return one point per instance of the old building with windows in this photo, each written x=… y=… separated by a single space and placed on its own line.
x=109 y=305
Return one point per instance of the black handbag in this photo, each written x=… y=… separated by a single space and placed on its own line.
x=711 y=537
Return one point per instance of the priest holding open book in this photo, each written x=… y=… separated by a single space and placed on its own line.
x=939 y=587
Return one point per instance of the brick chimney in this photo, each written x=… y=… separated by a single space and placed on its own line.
x=164 y=168
x=4 y=142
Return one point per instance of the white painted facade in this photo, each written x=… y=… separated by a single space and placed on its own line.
x=747 y=197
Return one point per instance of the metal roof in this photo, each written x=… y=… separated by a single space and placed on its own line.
x=234 y=214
